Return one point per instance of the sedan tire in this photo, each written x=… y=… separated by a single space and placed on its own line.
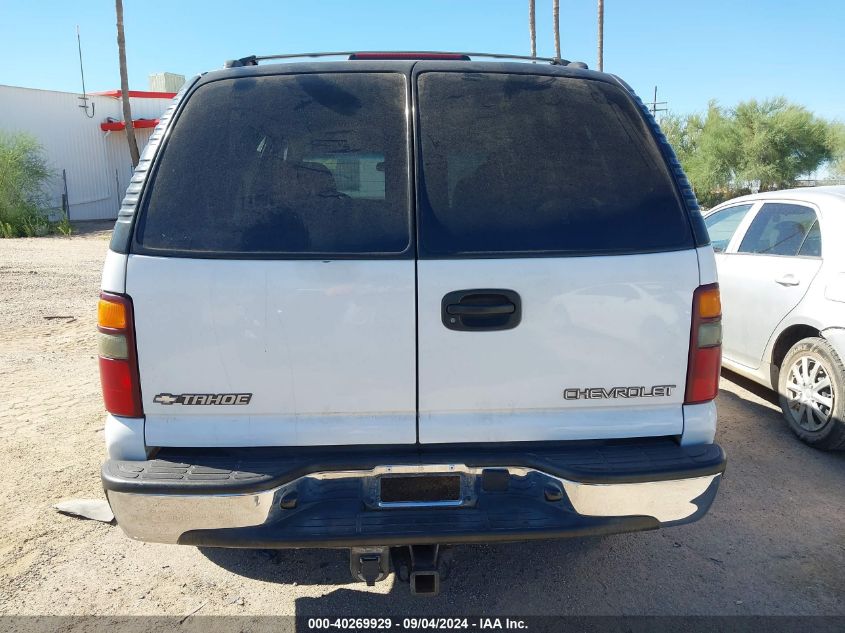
x=811 y=387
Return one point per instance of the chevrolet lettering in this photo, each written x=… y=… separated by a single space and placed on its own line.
x=598 y=393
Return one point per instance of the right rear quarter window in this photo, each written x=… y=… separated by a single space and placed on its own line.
x=529 y=164
x=310 y=165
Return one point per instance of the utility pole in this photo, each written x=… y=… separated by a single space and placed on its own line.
x=601 y=36
x=556 y=24
x=124 y=85
x=654 y=103
x=532 y=28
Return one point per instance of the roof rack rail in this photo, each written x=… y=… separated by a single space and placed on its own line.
x=252 y=60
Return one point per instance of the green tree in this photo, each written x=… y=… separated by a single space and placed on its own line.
x=837 y=141
x=779 y=142
x=769 y=144
x=708 y=149
x=23 y=175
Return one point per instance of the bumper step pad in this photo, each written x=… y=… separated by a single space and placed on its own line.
x=239 y=470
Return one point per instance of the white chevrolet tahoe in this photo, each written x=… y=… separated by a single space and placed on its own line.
x=403 y=301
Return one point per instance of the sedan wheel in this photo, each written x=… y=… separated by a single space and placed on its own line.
x=809 y=392
x=811 y=386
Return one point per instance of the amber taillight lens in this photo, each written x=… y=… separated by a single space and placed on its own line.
x=118 y=361
x=705 y=352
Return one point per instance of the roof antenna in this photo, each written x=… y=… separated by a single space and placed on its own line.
x=84 y=97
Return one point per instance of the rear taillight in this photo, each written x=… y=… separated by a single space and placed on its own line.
x=705 y=350
x=118 y=363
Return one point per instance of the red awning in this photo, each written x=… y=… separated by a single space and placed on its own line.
x=138 y=94
x=117 y=126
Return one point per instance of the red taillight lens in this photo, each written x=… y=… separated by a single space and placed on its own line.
x=119 y=394
x=118 y=362
x=705 y=352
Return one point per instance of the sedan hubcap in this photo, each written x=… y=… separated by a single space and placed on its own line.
x=809 y=393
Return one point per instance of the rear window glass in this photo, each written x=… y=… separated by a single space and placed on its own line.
x=538 y=164
x=782 y=229
x=812 y=246
x=284 y=165
x=723 y=224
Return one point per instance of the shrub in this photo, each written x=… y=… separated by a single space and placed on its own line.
x=23 y=174
x=63 y=226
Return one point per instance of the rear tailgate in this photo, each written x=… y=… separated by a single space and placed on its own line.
x=272 y=268
x=557 y=262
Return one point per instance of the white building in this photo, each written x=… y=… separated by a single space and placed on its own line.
x=86 y=146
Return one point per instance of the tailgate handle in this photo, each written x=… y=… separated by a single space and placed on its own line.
x=481 y=310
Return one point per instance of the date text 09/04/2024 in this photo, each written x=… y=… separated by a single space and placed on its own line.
x=409 y=624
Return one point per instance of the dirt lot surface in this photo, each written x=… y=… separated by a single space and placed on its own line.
x=773 y=543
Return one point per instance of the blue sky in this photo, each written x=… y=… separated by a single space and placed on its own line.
x=692 y=50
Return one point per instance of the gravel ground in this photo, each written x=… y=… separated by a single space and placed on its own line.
x=773 y=543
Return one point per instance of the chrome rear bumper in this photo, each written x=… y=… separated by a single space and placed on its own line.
x=338 y=508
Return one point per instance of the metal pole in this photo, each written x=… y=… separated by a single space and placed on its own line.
x=65 y=199
x=532 y=28
x=654 y=103
x=84 y=97
x=556 y=20
x=601 y=36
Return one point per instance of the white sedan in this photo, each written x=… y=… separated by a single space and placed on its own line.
x=781 y=262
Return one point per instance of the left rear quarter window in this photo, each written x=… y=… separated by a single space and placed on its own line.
x=311 y=165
